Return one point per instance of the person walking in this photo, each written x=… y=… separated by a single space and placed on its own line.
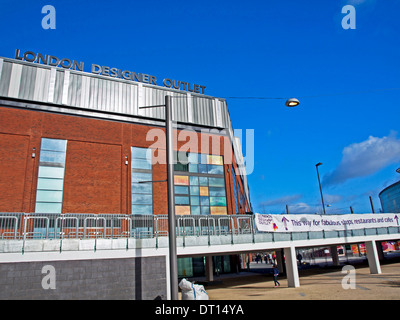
x=276 y=273
x=299 y=257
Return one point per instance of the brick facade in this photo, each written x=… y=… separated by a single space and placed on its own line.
x=97 y=178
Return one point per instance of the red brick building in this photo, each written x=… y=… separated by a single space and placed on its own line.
x=99 y=121
x=97 y=166
x=77 y=142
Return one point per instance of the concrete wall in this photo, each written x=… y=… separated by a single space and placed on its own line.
x=140 y=278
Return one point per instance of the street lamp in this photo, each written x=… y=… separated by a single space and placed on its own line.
x=320 y=188
x=292 y=102
x=173 y=259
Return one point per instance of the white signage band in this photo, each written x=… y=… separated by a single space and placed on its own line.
x=314 y=222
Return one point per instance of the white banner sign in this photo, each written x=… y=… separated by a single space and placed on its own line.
x=314 y=222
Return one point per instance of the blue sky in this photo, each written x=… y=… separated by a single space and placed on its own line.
x=347 y=80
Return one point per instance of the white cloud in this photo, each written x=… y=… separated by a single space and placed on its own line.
x=365 y=158
x=359 y=2
x=302 y=207
x=282 y=201
x=356 y=1
x=332 y=198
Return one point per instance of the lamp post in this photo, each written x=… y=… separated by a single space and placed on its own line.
x=173 y=259
x=320 y=188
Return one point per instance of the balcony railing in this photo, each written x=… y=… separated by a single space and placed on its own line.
x=152 y=230
x=19 y=226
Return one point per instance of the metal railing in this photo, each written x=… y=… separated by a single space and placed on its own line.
x=35 y=226
x=18 y=226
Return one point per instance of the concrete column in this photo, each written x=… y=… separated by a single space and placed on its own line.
x=335 y=256
x=209 y=269
x=279 y=260
x=291 y=267
x=379 y=248
x=372 y=256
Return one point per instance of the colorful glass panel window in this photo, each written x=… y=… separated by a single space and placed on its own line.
x=218 y=210
x=218 y=201
x=199 y=184
x=181 y=180
x=212 y=159
x=204 y=191
x=182 y=210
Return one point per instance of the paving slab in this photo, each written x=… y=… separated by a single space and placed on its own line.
x=315 y=284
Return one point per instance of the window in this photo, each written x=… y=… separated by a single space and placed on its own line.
x=235 y=189
x=142 y=193
x=199 y=184
x=50 y=185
